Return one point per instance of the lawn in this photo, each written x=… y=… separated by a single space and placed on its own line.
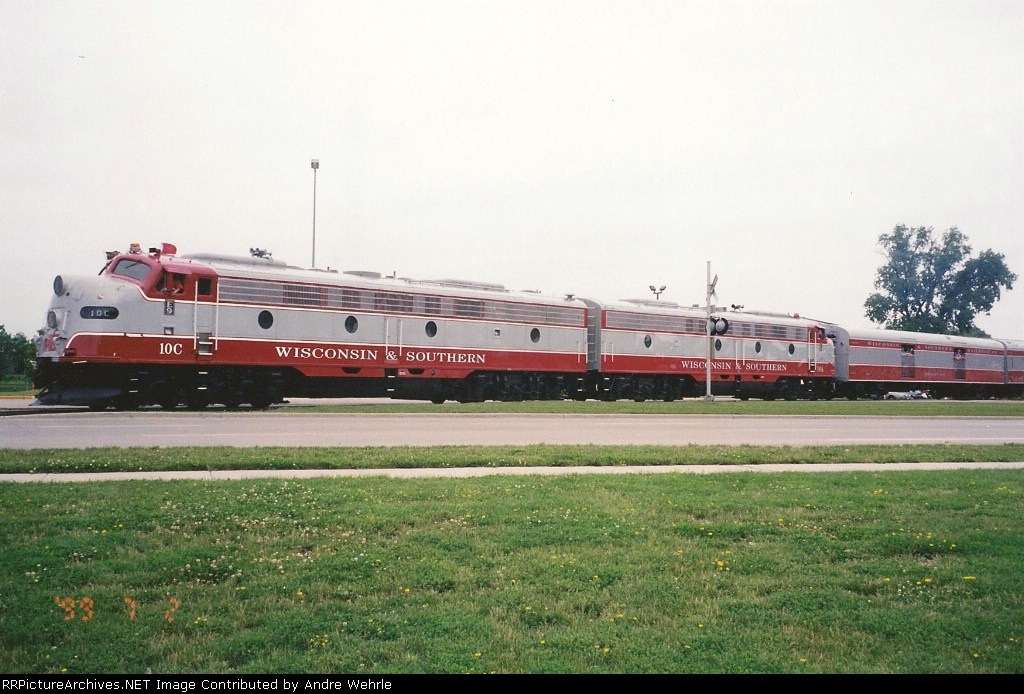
x=888 y=572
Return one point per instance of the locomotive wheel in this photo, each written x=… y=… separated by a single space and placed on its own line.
x=672 y=391
x=165 y=395
x=126 y=403
x=784 y=390
x=167 y=401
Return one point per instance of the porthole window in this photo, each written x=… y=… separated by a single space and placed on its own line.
x=431 y=328
x=266 y=319
x=718 y=345
x=757 y=347
x=351 y=324
x=792 y=349
x=647 y=341
x=535 y=335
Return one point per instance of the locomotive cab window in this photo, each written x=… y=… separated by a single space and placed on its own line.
x=133 y=269
x=171 y=283
x=204 y=286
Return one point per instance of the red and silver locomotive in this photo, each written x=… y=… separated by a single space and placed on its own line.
x=196 y=330
x=643 y=349
x=159 y=328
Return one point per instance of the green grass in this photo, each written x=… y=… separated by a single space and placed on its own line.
x=16 y=386
x=890 y=572
x=277 y=458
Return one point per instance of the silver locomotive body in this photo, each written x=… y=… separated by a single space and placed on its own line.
x=164 y=329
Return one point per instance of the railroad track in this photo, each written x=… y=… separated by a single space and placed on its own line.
x=56 y=409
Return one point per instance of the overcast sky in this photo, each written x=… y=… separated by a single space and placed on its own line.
x=588 y=147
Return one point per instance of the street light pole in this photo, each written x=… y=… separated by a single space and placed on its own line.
x=315 y=164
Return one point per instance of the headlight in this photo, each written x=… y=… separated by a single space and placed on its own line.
x=51 y=319
x=58 y=285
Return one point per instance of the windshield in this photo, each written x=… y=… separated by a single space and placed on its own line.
x=134 y=269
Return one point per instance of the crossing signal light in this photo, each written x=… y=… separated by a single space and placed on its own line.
x=719 y=326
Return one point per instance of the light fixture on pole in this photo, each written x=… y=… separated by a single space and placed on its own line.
x=315 y=164
x=657 y=291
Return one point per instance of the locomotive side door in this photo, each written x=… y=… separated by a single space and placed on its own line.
x=812 y=349
x=392 y=340
x=392 y=352
x=204 y=316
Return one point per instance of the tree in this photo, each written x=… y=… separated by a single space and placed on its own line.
x=17 y=353
x=934 y=286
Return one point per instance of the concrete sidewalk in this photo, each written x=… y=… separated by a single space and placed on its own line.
x=410 y=473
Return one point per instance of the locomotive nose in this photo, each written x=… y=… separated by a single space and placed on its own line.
x=51 y=342
x=70 y=293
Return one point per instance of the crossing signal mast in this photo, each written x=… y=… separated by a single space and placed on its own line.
x=716 y=325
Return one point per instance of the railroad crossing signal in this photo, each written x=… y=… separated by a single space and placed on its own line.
x=719 y=325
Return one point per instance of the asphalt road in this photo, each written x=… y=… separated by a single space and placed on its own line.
x=247 y=429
